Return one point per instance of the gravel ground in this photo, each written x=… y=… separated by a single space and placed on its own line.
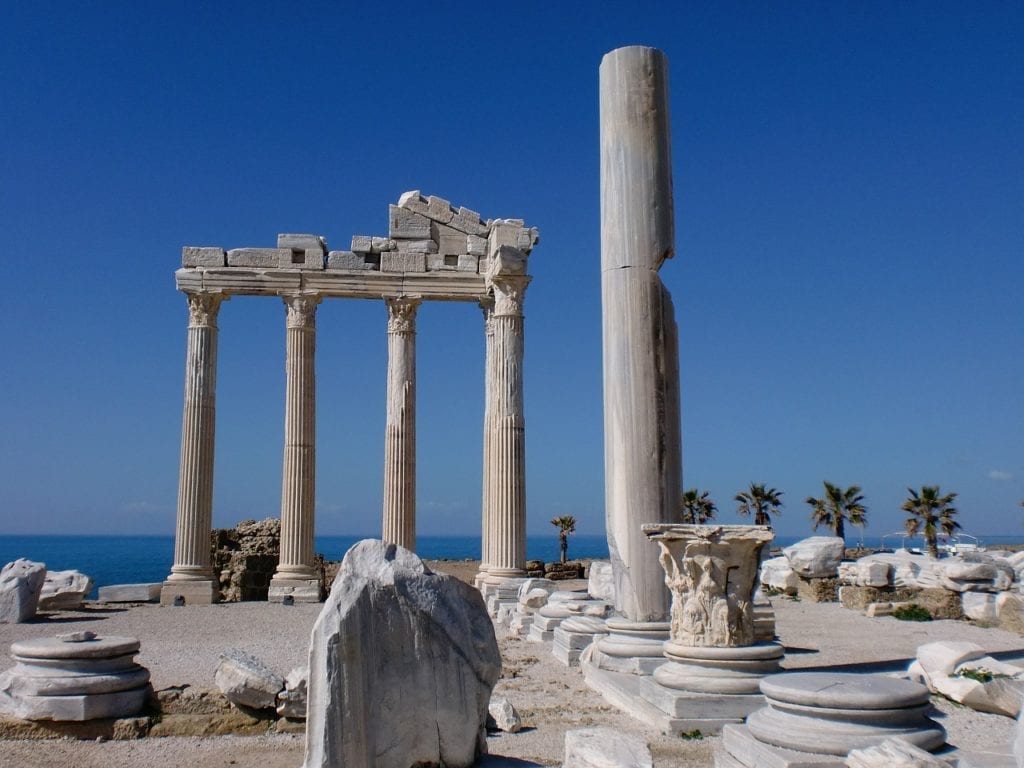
x=180 y=645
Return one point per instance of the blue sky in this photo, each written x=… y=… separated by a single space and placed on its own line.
x=849 y=213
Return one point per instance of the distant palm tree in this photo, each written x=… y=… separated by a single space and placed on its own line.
x=566 y=525
x=761 y=502
x=836 y=507
x=928 y=510
x=697 y=507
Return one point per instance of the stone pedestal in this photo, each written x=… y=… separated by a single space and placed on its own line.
x=295 y=575
x=399 y=526
x=192 y=578
x=74 y=677
x=573 y=635
x=817 y=718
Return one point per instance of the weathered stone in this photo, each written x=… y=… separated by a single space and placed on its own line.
x=776 y=574
x=64 y=590
x=467 y=263
x=450 y=242
x=413 y=201
x=506 y=261
x=502 y=716
x=601 y=581
x=402 y=664
x=352 y=260
x=403 y=223
x=264 y=258
x=381 y=244
x=469 y=222
x=21 y=583
x=302 y=242
x=941 y=603
x=605 y=748
x=475 y=245
x=439 y=209
x=534 y=599
x=403 y=261
x=292 y=700
x=818 y=590
x=193 y=256
x=980 y=606
x=962 y=672
x=130 y=593
x=362 y=244
x=1011 y=613
x=246 y=680
x=816 y=557
x=893 y=753
x=425 y=245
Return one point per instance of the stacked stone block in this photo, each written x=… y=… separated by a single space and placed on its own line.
x=245 y=557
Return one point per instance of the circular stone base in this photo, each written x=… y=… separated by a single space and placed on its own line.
x=634 y=639
x=718 y=670
x=833 y=713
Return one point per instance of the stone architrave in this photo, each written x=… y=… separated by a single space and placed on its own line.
x=295 y=574
x=643 y=454
x=192 y=577
x=402 y=664
x=399 y=526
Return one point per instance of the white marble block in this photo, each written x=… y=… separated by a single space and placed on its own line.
x=21 y=584
x=605 y=748
x=402 y=664
x=402 y=261
x=64 y=590
x=265 y=258
x=130 y=593
x=816 y=557
x=246 y=680
x=192 y=256
x=302 y=242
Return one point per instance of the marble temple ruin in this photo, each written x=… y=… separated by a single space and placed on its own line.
x=432 y=252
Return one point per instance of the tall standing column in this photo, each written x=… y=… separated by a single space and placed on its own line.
x=192 y=578
x=399 y=526
x=487 y=305
x=506 y=451
x=641 y=370
x=295 y=575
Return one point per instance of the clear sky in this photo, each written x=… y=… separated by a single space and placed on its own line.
x=848 y=279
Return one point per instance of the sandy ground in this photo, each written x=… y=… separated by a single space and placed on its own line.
x=180 y=645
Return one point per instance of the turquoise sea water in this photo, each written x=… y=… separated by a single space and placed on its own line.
x=131 y=559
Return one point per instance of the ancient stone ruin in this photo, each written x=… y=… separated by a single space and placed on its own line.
x=433 y=251
x=245 y=558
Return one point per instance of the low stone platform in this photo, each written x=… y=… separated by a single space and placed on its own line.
x=74 y=677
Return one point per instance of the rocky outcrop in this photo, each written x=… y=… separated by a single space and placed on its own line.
x=21 y=583
x=401 y=667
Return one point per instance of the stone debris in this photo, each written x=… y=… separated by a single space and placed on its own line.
x=816 y=557
x=247 y=681
x=130 y=593
x=777 y=574
x=964 y=673
x=292 y=700
x=605 y=748
x=64 y=590
x=402 y=665
x=893 y=753
x=502 y=716
x=84 y=678
x=21 y=584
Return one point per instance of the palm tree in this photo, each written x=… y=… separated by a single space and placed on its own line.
x=836 y=507
x=566 y=524
x=761 y=502
x=697 y=507
x=928 y=510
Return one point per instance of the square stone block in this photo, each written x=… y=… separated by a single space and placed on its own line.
x=476 y=245
x=416 y=246
x=467 y=263
x=266 y=258
x=469 y=222
x=439 y=209
x=350 y=260
x=192 y=256
x=362 y=243
x=438 y=263
x=450 y=242
x=308 y=258
x=302 y=242
x=403 y=261
x=404 y=223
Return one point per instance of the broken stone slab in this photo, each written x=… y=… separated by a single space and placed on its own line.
x=605 y=748
x=778 y=575
x=964 y=673
x=292 y=700
x=977 y=575
x=403 y=261
x=21 y=583
x=981 y=606
x=247 y=681
x=193 y=256
x=352 y=260
x=403 y=223
x=601 y=581
x=64 y=590
x=893 y=753
x=130 y=593
x=816 y=557
x=402 y=665
x=502 y=716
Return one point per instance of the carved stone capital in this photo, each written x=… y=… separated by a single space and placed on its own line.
x=300 y=309
x=509 y=293
x=402 y=313
x=203 y=308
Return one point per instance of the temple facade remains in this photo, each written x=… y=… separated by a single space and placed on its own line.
x=433 y=252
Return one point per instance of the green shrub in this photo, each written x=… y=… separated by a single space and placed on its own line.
x=691 y=735
x=912 y=612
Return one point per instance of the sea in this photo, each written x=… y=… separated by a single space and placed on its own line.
x=142 y=559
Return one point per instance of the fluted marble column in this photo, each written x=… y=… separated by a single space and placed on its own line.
x=506 y=431
x=295 y=574
x=399 y=526
x=192 y=578
x=487 y=305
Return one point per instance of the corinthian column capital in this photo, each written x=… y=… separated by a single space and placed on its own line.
x=402 y=313
x=203 y=308
x=509 y=293
x=301 y=309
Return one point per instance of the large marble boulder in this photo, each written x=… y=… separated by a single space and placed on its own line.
x=977 y=572
x=64 y=590
x=777 y=574
x=402 y=662
x=21 y=583
x=817 y=557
